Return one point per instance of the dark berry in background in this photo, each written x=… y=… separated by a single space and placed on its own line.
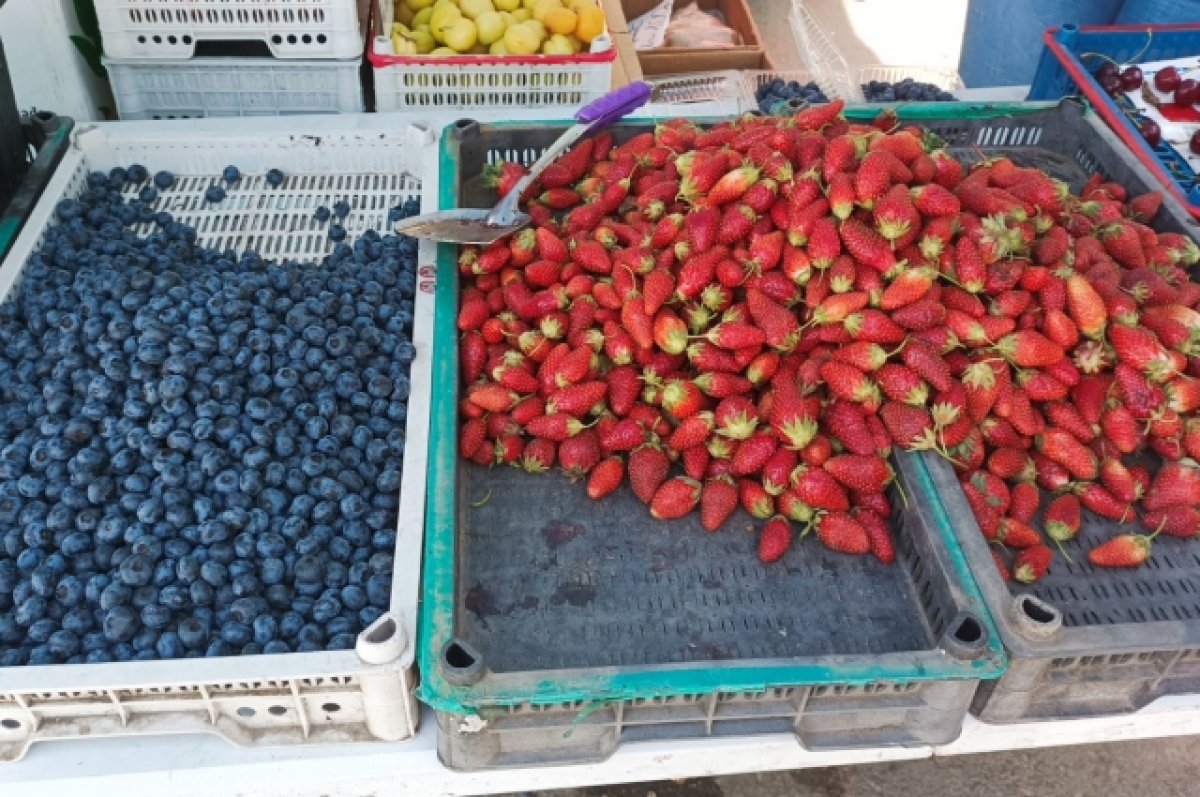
x=907 y=90
x=780 y=98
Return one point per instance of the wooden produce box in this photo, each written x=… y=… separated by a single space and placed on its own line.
x=677 y=60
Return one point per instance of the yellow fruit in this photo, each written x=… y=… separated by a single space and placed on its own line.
x=577 y=46
x=471 y=9
x=498 y=48
x=520 y=15
x=403 y=46
x=441 y=20
x=560 y=20
x=423 y=40
x=528 y=4
x=445 y=51
x=421 y=18
x=506 y=5
x=401 y=29
x=538 y=28
x=591 y=23
x=521 y=40
x=417 y=5
x=404 y=14
x=460 y=35
x=490 y=27
x=558 y=44
x=543 y=7
x=575 y=5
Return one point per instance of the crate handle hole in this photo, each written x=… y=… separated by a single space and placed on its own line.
x=246 y=711
x=969 y=631
x=458 y=657
x=382 y=632
x=462 y=664
x=10 y=725
x=330 y=708
x=277 y=711
x=1037 y=611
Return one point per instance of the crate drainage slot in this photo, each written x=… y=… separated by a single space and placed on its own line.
x=966 y=637
x=1035 y=618
x=461 y=663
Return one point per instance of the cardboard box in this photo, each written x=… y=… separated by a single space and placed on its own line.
x=626 y=68
x=677 y=60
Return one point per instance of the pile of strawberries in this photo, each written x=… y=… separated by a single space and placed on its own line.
x=772 y=303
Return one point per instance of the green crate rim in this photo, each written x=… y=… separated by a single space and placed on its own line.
x=602 y=685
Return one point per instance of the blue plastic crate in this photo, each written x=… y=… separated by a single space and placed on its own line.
x=1072 y=53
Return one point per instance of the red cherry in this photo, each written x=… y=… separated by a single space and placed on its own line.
x=1166 y=79
x=1107 y=68
x=1150 y=131
x=1111 y=84
x=1187 y=93
x=1131 y=78
x=1194 y=143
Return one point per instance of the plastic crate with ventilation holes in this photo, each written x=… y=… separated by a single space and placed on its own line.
x=174 y=28
x=329 y=697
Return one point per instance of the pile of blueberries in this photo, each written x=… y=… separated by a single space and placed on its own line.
x=782 y=98
x=200 y=450
x=907 y=90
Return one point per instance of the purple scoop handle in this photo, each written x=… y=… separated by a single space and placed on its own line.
x=614 y=105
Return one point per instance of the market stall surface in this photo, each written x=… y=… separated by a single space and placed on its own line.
x=1148 y=768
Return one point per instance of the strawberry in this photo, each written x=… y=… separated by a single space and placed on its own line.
x=1122 y=242
x=895 y=216
x=927 y=363
x=718 y=500
x=878 y=534
x=850 y=384
x=648 y=469
x=1024 y=499
x=841 y=196
x=1011 y=464
x=579 y=454
x=774 y=539
x=842 y=533
x=675 y=498
x=1029 y=349
x=910 y=427
x=901 y=383
x=868 y=474
x=731 y=186
x=874 y=326
x=682 y=399
x=757 y=502
x=577 y=400
x=1102 y=502
x=492 y=397
x=922 y=314
x=1175 y=483
x=1119 y=481
x=691 y=432
x=557 y=427
x=777 y=470
x=471 y=437
x=1016 y=534
x=733 y=335
x=606 y=477
x=935 y=200
x=670 y=332
x=867 y=246
x=873 y=177
x=539 y=455
x=863 y=355
x=910 y=285
x=735 y=224
x=1040 y=386
x=623 y=435
x=1176 y=521
x=1062 y=447
x=753 y=453
x=1123 y=550
x=817 y=489
x=778 y=324
x=736 y=417
x=1032 y=563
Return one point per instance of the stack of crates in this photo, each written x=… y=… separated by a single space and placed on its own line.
x=182 y=59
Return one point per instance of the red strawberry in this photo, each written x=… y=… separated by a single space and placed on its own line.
x=779 y=325
x=1124 y=550
x=579 y=454
x=648 y=469
x=774 y=540
x=935 y=200
x=1102 y=502
x=539 y=455
x=841 y=532
x=900 y=383
x=492 y=397
x=471 y=437
x=867 y=246
x=850 y=384
x=736 y=417
x=692 y=431
x=1086 y=307
x=682 y=399
x=1176 y=521
x=669 y=331
x=895 y=216
x=606 y=477
x=907 y=287
x=675 y=498
x=577 y=400
x=1175 y=483
x=732 y=335
x=557 y=427
x=731 y=186
x=846 y=422
x=872 y=178
x=753 y=453
x=1122 y=242
x=867 y=474
x=1032 y=563
x=1016 y=534
x=910 y=427
x=735 y=224
x=777 y=470
x=1024 y=499
x=922 y=314
x=757 y=502
x=819 y=490
x=878 y=533
x=1029 y=349
x=928 y=364
x=718 y=500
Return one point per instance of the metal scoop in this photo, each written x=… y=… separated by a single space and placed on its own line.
x=479 y=226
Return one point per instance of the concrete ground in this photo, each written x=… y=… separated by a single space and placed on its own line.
x=1153 y=768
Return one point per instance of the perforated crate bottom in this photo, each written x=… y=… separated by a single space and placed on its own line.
x=583 y=583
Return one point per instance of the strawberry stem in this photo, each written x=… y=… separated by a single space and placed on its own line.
x=483 y=500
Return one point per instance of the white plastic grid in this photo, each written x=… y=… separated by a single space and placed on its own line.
x=201 y=87
x=264 y=700
x=172 y=28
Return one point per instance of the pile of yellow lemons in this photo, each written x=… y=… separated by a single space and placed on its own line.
x=495 y=27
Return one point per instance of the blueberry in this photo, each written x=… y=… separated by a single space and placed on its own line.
x=274 y=178
x=214 y=195
x=337 y=233
x=341 y=208
x=231 y=174
x=321 y=214
x=120 y=624
x=164 y=179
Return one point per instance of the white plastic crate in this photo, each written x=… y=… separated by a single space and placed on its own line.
x=471 y=82
x=201 y=87
x=172 y=28
x=723 y=90
x=264 y=700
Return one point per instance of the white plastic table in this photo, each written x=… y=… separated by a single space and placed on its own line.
x=164 y=766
